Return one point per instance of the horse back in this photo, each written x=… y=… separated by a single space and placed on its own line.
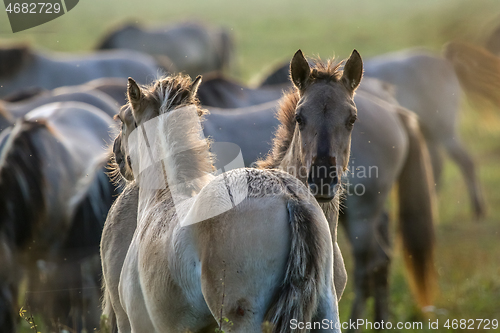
x=424 y=83
x=379 y=142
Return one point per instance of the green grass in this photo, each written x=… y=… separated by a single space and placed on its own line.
x=268 y=32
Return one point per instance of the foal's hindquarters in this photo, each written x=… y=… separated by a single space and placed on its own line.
x=237 y=267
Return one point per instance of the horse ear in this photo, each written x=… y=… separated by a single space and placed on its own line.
x=353 y=71
x=299 y=70
x=133 y=92
x=195 y=85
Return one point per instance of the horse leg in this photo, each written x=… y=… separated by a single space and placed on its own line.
x=436 y=160
x=381 y=270
x=361 y=220
x=360 y=237
x=462 y=158
x=327 y=313
x=340 y=272
x=131 y=312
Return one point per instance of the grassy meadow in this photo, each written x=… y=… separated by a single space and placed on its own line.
x=268 y=32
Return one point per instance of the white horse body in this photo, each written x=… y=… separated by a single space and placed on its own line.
x=228 y=251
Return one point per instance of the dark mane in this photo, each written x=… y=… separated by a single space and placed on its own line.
x=329 y=71
x=84 y=235
x=21 y=183
x=25 y=94
x=279 y=75
x=214 y=87
x=13 y=59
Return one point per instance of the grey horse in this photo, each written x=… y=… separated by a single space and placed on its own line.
x=191 y=47
x=95 y=98
x=23 y=67
x=428 y=85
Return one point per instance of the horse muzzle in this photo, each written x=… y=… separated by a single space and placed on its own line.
x=323 y=181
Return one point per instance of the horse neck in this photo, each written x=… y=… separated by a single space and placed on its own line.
x=174 y=141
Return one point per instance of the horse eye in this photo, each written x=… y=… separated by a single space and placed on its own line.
x=351 y=121
x=299 y=120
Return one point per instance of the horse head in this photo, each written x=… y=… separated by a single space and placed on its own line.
x=322 y=121
x=144 y=103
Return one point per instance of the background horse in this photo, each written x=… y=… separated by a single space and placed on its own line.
x=192 y=48
x=81 y=94
x=23 y=68
x=428 y=85
x=54 y=198
x=116 y=88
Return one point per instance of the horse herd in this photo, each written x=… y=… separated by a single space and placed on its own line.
x=184 y=247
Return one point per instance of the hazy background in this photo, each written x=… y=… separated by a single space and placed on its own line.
x=267 y=32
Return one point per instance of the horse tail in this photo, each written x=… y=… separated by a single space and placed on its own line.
x=478 y=71
x=416 y=212
x=304 y=275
